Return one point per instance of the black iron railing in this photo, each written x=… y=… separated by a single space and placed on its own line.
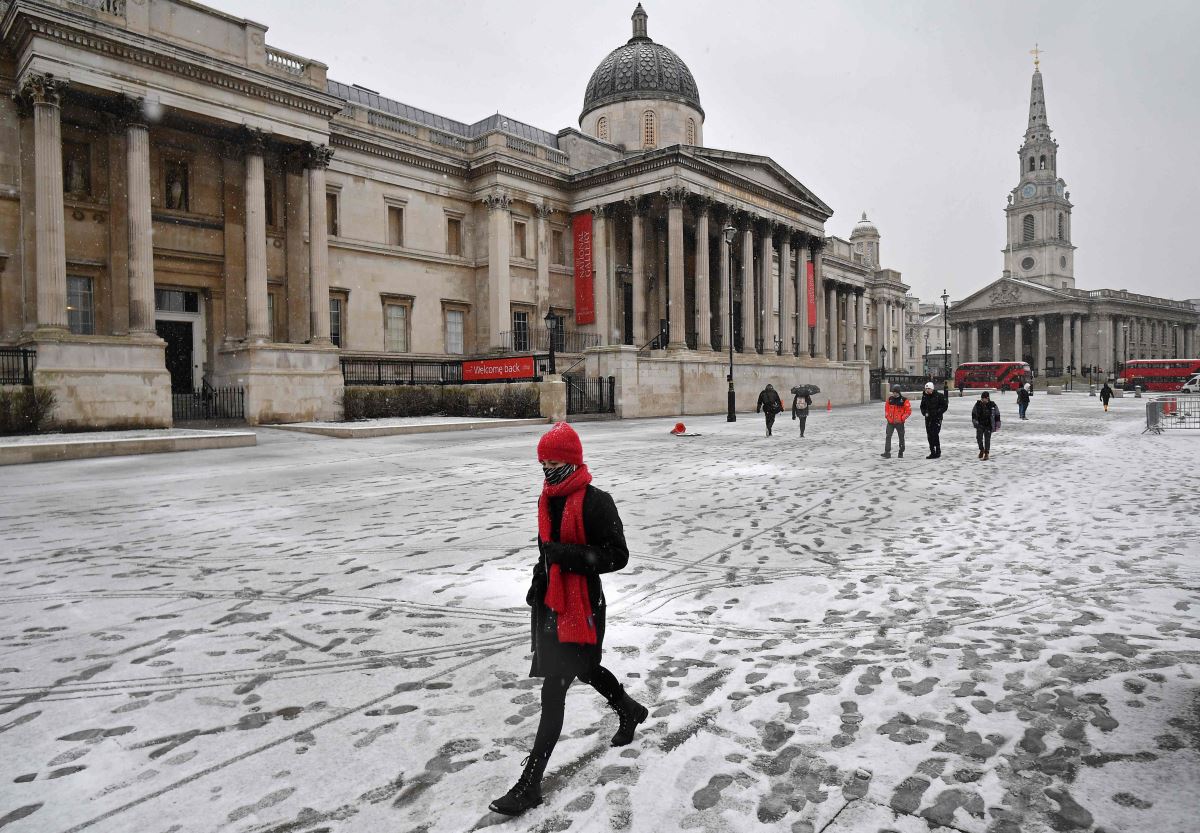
x=17 y=365
x=591 y=396
x=208 y=403
x=537 y=339
x=401 y=372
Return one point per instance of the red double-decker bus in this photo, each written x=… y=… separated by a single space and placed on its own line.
x=996 y=375
x=1158 y=374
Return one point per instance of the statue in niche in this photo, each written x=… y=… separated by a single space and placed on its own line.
x=177 y=186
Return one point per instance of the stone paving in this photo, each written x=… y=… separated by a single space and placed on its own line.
x=327 y=635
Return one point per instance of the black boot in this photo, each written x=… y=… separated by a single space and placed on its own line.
x=527 y=792
x=631 y=713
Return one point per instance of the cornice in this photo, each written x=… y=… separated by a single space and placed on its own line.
x=189 y=63
x=342 y=137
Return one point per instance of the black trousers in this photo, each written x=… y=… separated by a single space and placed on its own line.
x=803 y=417
x=770 y=415
x=933 y=431
x=984 y=438
x=554 y=700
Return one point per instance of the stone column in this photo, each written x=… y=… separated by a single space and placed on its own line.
x=749 y=301
x=1077 y=353
x=316 y=160
x=499 y=248
x=703 y=302
x=831 y=326
x=1018 y=340
x=724 y=324
x=885 y=329
x=541 y=288
x=1041 y=344
x=257 y=327
x=767 y=288
x=802 y=322
x=787 y=296
x=860 y=325
x=1065 y=359
x=815 y=245
x=974 y=340
x=601 y=282
x=996 y=340
x=851 y=326
x=43 y=92
x=141 y=230
x=638 y=267
x=676 y=296
x=903 y=334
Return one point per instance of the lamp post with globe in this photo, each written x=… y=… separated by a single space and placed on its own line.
x=946 y=344
x=730 y=232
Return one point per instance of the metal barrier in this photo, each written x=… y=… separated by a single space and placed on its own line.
x=17 y=365
x=208 y=403
x=1178 y=410
x=400 y=372
x=591 y=396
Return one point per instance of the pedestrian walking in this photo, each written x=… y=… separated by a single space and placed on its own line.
x=801 y=403
x=1106 y=393
x=770 y=404
x=896 y=410
x=1023 y=394
x=933 y=407
x=579 y=537
x=985 y=416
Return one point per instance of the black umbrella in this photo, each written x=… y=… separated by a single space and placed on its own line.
x=801 y=390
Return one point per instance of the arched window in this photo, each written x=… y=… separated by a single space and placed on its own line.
x=1031 y=168
x=602 y=128
x=691 y=131
x=1028 y=228
x=1062 y=227
x=1042 y=162
x=649 y=130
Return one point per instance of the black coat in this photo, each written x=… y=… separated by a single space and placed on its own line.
x=605 y=552
x=1106 y=393
x=769 y=401
x=1022 y=396
x=796 y=411
x=933 y=406
x=984 y=415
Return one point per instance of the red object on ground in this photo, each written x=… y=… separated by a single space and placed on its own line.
x=829 y=404
x=679 y=428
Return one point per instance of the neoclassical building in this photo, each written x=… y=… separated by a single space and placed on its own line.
x=1034 y=312
x=182 y=204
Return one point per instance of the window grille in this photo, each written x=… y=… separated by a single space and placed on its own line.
x=649 y=130
x=1028 y=228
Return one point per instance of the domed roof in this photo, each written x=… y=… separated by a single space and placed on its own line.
x=864 y=226
x=641 y=69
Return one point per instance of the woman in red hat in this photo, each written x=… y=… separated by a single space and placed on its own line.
x=579 y=537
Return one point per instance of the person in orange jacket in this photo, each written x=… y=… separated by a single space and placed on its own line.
x=895 y=411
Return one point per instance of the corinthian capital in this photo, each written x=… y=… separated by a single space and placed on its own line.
x=676 y=195
x=39 y=89
x=497 y=201
x=815 y=244
x=544 y=210
x=317 y=156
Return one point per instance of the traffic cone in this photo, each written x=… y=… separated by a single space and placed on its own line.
x=828 y=404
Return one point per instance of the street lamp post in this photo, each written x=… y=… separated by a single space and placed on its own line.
x=1174 y=341
x=730 y=232
x=1125 y=347
x=946 y=344
x=1029 y=321
x=551 y=327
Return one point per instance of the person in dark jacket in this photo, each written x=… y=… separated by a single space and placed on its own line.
x=896 y=411
x=933 y=407
x=985 y=416
x=580 y=536
x=801 y=404
x=770 y=404
x=1106 y=393
x=1023 y=394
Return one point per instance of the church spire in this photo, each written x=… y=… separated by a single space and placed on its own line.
x=1039 y=128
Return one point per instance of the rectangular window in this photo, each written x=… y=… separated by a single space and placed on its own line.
x=331 y=214
x=176 y=300
x=176 y=187
x=335 y=321
x=558 y=247
x=453 y=236
x=395 y=325
x=520 y=339
x=77 y=169
x=454 y=332
x=395 y=226
x=270 y=316
x=269 y=199
x=518 y=243
x=80 y=308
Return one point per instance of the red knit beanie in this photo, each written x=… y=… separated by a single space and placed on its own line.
x=561 y=443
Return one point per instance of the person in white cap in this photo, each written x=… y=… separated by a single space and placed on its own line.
x=933 y=407
x=1023 y=394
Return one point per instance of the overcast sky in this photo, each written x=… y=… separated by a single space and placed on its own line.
x=912 y=112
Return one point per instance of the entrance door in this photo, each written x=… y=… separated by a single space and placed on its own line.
x=178 y=336
x=627 y=301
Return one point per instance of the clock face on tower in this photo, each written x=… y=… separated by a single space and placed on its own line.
x=1028 y=191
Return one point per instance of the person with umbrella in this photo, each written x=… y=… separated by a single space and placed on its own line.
x=770 y=404
x=801 y=403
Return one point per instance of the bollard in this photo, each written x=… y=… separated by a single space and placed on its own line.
x=1137 y=391
x=1091 y=390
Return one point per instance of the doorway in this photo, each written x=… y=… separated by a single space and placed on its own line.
x=627 y=310
x=180 y=352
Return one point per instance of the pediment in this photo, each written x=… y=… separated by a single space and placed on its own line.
x=1007 y=293
x=761 y=170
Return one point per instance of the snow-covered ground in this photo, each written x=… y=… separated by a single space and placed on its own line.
x=321 y=635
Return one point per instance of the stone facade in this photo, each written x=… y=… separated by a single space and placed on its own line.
x=245 y=220
x=1034 y=312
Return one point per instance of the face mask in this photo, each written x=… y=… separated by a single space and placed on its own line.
x=558 y=475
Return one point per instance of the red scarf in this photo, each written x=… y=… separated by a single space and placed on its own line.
x=567 y=593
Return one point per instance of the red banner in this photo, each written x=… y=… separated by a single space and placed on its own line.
x=812 y=295
x=482 y=370
x=585 y=299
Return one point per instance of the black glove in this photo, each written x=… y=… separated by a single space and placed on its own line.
x=537 y=590
x=553 y=552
